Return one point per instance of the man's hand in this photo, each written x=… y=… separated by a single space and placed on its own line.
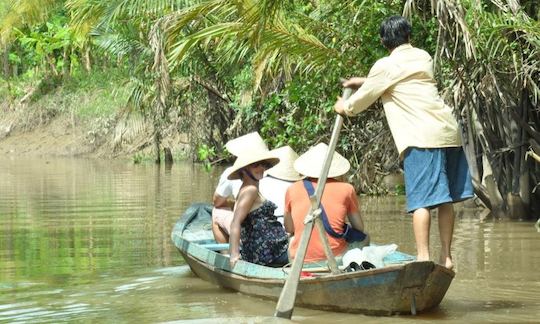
x=354 y=83
x=339 y=106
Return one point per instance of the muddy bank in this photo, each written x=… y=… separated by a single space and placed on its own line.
x=25 y=134
x=56 y=139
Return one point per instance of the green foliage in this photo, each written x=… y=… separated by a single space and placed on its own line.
x=399 y=190
x=98 y=94
x=142 y=158
x=275 y=66
x=216 y=69
x=206 y=154
x=43 y=45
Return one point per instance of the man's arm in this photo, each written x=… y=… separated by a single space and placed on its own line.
x=354 y=82
x=372 y=87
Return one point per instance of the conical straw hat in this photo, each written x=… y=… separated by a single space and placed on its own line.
x=252 y=141
x=250 y=156
x=311 y=163
x=284 y=170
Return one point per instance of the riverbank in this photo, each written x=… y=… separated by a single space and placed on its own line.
x=92 y=138
x=85 y=116
x=56 y=138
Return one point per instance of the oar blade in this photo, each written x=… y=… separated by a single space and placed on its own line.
x=285 y=306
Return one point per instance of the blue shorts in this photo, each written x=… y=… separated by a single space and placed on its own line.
x=434 y=176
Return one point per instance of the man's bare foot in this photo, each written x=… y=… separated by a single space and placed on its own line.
x=447 y=262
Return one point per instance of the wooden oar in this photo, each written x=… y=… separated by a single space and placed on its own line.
x=287 y=297
x=330 y=259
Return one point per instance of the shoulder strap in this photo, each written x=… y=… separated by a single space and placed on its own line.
x=310 y=190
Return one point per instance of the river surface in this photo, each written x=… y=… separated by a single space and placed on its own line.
x=88 y=241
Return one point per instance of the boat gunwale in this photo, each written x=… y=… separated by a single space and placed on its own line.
x=324 y=277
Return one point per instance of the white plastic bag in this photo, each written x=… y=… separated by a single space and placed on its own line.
x=373 y=254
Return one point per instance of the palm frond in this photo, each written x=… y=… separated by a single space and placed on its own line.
x=89 y=14
x=175 y=22
x=454 y=30
x=259 y=15
x=247 y=33
x=179 y=50
x=140 y=94
x=85 y=14
x=116 y=44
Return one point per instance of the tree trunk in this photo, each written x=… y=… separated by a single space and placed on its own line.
x=5 y=64
x=516 y=207
x=67 y=63
x=168 y=156
x=87 y=59
x=497 y=203
x=470 y=148
x=157 y=144
x=52 y=64
x=20 y=66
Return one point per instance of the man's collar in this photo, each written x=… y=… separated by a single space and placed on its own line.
x=401 y=48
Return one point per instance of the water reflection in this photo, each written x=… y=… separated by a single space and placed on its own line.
x=85 y=240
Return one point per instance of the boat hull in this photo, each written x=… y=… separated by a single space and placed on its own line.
x=400 y=287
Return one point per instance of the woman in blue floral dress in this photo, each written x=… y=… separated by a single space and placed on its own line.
x=256 y=235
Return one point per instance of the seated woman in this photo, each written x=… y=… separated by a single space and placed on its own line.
x=227 y=190
x=255 y=234
x=339 y=201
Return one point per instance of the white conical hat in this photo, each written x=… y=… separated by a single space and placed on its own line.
x=250 y=156
x=252 y=141
x=284 y=170
x=311 y=163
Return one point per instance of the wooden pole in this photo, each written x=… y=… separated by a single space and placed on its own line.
x=285 y=305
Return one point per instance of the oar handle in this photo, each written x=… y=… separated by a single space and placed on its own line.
x=331 y=148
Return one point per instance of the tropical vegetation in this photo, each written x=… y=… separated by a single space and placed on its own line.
x=215 y=69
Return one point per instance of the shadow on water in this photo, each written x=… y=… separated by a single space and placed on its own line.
x=89 y=241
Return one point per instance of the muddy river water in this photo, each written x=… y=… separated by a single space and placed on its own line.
x=88 y=241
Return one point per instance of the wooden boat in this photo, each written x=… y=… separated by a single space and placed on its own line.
x=400 y=287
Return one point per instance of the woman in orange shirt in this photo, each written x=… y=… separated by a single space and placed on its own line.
x=339 y=200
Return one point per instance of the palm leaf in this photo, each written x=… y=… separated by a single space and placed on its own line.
x=179 y=50
x=89 y=14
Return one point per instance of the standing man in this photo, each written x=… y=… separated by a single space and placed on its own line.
x=424 y=130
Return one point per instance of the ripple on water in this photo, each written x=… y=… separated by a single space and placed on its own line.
x=89 y=241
